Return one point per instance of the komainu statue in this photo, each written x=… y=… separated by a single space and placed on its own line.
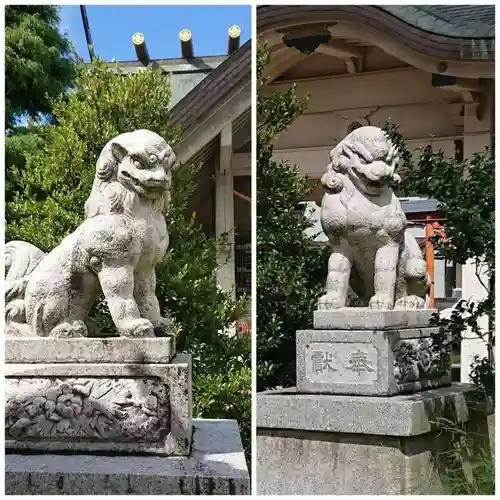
x=114 y=250
x=372 y=252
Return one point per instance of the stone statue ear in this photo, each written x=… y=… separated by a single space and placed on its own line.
x=119 y=152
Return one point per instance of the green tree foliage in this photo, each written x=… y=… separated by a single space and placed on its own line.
x=39 y=65
x=290 y=272
x=48 y=204
x=39 y=62
x=21 y=142
x=465 y=191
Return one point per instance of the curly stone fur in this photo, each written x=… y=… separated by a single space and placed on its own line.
x=372 y=252
x=115 y=250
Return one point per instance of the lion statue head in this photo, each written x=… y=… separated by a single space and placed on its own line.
x=367 y=158
x=133 y=168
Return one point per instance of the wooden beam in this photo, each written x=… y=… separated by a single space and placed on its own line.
x=350 y=65
x=391 y=46
x=473 y=91
x=272 y=38
x=141 y=49
x=224 y=209
x=281 y=61
x=226 y=149
x=242 y=196
x=198 y=136
x=340 y=50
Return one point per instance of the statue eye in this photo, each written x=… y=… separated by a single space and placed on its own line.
x=137 y=164
x=153 y=158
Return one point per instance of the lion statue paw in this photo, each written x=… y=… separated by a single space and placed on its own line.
x=138 y=328
x=75 y=329
x=330 y=301
x=410 y=302
x=381 y=302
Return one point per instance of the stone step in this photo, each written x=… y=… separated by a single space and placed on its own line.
x=216 y=466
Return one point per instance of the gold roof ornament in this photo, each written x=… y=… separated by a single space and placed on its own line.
x=233 y=42
x=186 y=39
x=140 y=48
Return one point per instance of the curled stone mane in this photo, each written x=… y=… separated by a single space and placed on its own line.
x=372 y=138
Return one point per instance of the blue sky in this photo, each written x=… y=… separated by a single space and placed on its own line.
x=112 y=28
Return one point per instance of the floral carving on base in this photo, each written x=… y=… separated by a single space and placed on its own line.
x=415 y=361
x=87 y=409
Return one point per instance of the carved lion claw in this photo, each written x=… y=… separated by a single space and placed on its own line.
x=381 y=302
x=410 y=302
x=330 y=301
x=140 y=327
x=75 y=329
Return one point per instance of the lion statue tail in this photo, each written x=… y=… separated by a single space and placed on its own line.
x=21 y=259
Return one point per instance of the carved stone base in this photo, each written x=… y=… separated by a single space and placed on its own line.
x=216 y=466
x=367 y=362
x=129 y=406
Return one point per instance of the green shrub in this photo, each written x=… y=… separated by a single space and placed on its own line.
x=468 y=467
x=291 y=269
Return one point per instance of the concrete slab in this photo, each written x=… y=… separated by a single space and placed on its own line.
x=359 y=318
x=216 y=466
x=310 y=444
x=402 y=415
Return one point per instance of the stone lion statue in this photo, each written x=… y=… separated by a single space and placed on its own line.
x=114 y=250
x=372 y=252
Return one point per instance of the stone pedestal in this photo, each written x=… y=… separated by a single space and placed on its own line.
x=364 y=417
x=100 y=406
x=310 y=444
x=368 y=362
x=116 y=394
x=369 y=352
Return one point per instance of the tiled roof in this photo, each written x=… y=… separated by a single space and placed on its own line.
x=445 y=33
x=233 y=72
x=462 y=21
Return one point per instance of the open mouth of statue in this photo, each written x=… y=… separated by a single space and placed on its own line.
x=149 y=186
x=369 y=182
